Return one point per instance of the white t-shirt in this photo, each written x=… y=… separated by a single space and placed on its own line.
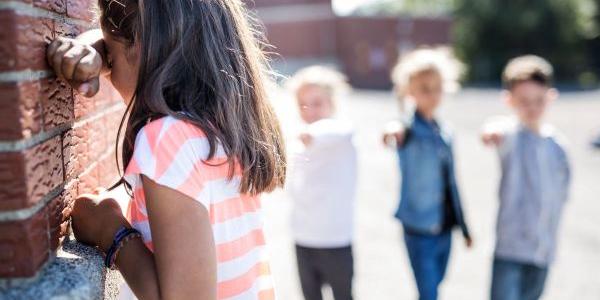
x=322 y=184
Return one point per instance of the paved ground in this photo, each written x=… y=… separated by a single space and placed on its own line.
x=382 y=268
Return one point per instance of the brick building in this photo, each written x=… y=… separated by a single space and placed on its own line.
x=366 y=48
x=54 y=144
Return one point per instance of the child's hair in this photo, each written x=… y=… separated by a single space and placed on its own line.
x=331 y=81
x=440 y=60
x=200 y=61
x=527 y=68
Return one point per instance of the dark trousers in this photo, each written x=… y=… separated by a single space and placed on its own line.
x=513 y=280
x=320 y=266
x=428 y=256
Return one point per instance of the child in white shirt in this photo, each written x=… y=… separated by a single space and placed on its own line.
x=322 y=184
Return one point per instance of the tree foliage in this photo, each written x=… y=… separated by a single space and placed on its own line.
x=487 y=33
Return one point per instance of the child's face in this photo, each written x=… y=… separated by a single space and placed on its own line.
x=124 y=66
x=529 y=100
x=426 y=89
x=314 y=103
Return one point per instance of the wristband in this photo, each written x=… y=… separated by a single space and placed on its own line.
x=122 y=236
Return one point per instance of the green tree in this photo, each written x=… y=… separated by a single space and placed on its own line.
x=487 y=33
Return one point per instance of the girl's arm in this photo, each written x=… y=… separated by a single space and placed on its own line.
x=183 y=265
x=394 y=134
x=184 y=249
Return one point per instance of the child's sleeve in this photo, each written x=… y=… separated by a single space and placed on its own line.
x=565 y=163
x=170 y=153
x=330 y=133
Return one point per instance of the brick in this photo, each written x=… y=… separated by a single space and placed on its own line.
x=27 y=107
x=82 y=9
x=112 y=122
x=88 y=181
x=82 y=146
x=24 y=41
x=13 y=191
x=85 y=106
x=20 y=110
x=58 y=212
x=107 y=171
x=70 y=30
x=26 y=38
x=29 y=175
x=25 y=246
x=57 y=6
x=56 y=97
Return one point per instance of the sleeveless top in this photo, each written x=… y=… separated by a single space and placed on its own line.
x=173 y=153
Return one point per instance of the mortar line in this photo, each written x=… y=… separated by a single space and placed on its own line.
x=26 y=213
x=24 y=75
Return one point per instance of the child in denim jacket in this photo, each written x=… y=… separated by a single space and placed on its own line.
x=430 y=205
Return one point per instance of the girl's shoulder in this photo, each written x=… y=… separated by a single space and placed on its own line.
x=170 y=131
x=172 y=151
x=170 y=126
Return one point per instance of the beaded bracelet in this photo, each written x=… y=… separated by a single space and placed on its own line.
x=122 y=236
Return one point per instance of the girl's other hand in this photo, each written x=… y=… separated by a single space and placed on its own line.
x=95 y=220
x=77 y=63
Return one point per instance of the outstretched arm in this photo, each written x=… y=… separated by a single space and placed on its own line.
x=394 y=134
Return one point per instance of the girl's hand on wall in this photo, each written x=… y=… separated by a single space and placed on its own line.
x=76 y=62
x=96 y=219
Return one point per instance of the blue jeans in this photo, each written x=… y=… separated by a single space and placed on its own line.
x=517 y=281
x=428 y=256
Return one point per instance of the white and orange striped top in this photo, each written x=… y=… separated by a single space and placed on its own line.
x=173 y=153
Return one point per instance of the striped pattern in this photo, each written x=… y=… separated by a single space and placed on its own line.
x=173 y=153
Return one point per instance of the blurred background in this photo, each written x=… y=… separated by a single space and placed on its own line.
x=363 y=38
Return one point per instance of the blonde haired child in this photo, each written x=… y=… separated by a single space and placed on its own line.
x=322 y=184
x=430 y=205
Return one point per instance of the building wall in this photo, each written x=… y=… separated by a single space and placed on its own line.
x=298 y=28
x=54 y=144
x=366 y=48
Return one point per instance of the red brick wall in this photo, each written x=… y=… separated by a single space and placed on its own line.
x=54 y=144
x=310 y=39
x=368 y=47
x=298 y=28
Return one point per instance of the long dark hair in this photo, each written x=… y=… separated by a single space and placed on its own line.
x=201 y=61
